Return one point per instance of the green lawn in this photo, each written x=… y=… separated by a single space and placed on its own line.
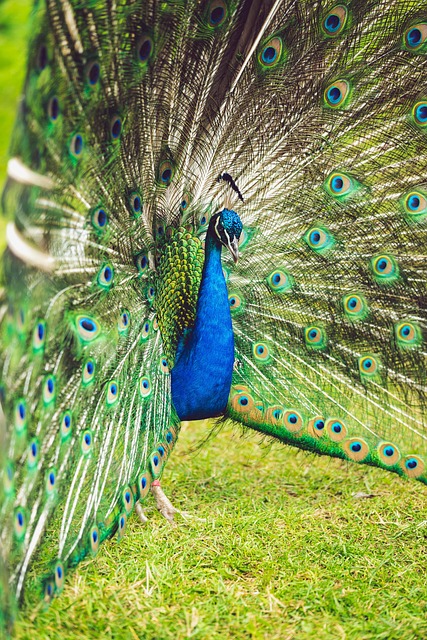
x=282 y=544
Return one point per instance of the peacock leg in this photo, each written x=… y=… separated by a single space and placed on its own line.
x=140 y=512
x=163 y=504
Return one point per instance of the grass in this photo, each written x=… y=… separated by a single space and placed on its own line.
x=282 y=544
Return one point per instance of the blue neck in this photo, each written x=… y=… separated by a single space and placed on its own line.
x=201 y=377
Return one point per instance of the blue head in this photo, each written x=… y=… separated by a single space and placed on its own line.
x=225 y=227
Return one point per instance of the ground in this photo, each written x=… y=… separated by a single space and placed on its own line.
x=281 y=545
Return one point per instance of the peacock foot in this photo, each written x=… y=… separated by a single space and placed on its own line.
x=163 y=504
x=140 y=513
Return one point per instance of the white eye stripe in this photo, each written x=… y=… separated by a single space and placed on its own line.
x=216 y=228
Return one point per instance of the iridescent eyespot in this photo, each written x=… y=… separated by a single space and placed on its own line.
x=336 y=429
x=33 y=453
x=271 y=53
x=335 y=21
x=48 y=592
x=203 y=221
x=144 y=48
x=87 y=328
x=156 y=464
x=279 y=281
x=123 y=323
x=217 y=13
x=368 y=365
x=7 y=478
x=115 y=127
x=142 y=262
x=105 y=276
x=413 y=466
x=99 y=218
x=20 y=415
x=419 y=113
x=384 y=268
x=76 y=145
x=135 y=204
x=59 y=575
x=356 y=449
x=408 y=334
x=415 y=203
x=66 y=425
x=150 y=293
x=94 y=539
x=236 y=303
x=39 y=336
x=355 y=306
x=339 y=184
x=53 y=108
x=122 y=526
x=242 y=402
x=143 y=485
x=389 y=453
x=127 y=499
x=88 y=372
x=315 y=337
x=293 y=421
x=19 y=523
x=49 y=389
x=145 y=331
x=42 y=57
x=86 y=442
x=319 y=239
x=112 y=392
x=165 y=173
x=336 y=94
x=415 y=37
x=170 y=438
x=261 y=352
x=50 y=481
x=144 y=387
x=164 y=368
x=274 y=415
x=92 y=73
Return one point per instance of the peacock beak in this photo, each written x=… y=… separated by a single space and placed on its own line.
x=234 y=249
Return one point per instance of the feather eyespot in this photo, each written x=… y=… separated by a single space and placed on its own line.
x=315 y=337
x=336 y=430
x=66 y=425
x=389 y=454
x=59 y=576
x=144 y=48
x=146 y=328
x=144 y=387
x=20 y=415
x=271 y=53
x=50 y=481
x=368 y=365
x=316 y=427
x=99 y=219
x=335 y=21
x=217 y=13
x=385 y=268
x=355 y=306
x=8 y=479
x=76 y=145
x=142 y=262
x=94 y=539
x=150 y=293
x=144 y=482
x=236 y=303
x=165 y=173
x=419 y=113
x=319 y=239
x=356 y=449
x=135 y=204
x=123 y=323
x=49 y=390
x=339 y=184
x=53 y=108
x=293 y=421
x=127 y=500
x=122 y=525
x=261 y=352
x=242 y=402
x=170 y=438
x=415 y=37
x=112 y=392
x=33 y=453
x=88 y=372
x=92 y=73
x=42 y=57
x=86 y=442
x=115 y=127
x=164 y=367
x=156 y=464
x=106 y=276
x=413 y=466
x=279 y=281
x=88 y=329
x=336 y=94
x=415 y=203
x=408 y=334
x=20 y=523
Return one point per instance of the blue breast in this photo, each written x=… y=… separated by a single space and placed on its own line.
x=201 y=377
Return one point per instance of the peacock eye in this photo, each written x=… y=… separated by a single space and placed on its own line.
x=53 y=108
x=335 y=21
x=92 y=73
x=271 y=53
x=99 y=219
x=115 y=127
x=165 y=173
x=42 y=57
x=336 y=94
x=419 y=112
x=76 y=145
x=144 y=48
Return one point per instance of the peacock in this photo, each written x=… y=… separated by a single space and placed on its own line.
x=218 y=209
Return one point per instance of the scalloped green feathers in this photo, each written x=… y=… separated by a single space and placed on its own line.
x=131 y=111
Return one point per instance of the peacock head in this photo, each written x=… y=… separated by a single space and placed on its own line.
x=226 y=227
